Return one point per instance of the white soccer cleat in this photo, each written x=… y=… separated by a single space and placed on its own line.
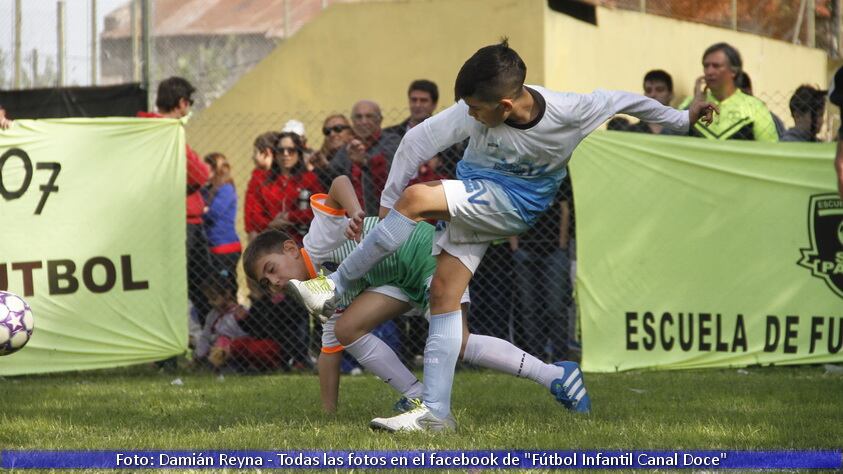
x=417 y=419
x=317 y=295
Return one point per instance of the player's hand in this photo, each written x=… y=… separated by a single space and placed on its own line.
x=5 y=123
x=701 y=110
x=354 y=231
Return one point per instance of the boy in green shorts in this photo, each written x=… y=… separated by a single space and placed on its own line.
x=395 y=285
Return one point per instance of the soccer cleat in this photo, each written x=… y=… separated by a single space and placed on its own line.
x=418 y=419
x=404 y=404
x=316 y=295
x=569 y=389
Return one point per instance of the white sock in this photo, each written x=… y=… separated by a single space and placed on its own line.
x=381 y=242
x=378 y=358
x=498 y=354
x=440 y=359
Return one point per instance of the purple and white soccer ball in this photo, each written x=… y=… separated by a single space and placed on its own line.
x=16 y=323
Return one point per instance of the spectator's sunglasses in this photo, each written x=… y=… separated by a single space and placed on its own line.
x=336 y=129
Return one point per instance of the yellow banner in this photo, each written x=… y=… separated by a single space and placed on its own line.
x=696 y=253
x=93 y=219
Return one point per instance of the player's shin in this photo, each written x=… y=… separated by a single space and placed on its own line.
x=440 y=359
x=378 y=358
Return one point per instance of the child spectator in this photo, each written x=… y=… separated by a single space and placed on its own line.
x=221 y=210
x=223 y=341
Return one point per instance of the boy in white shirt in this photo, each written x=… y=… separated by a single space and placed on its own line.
x=520 y=141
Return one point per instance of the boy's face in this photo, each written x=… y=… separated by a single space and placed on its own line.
x=490 y=114
x=274 y=270
x=659 y=91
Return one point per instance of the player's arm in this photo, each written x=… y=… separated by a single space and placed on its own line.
x=342 y=196
x=329 y=379
x=420 y=144
x=601 y=105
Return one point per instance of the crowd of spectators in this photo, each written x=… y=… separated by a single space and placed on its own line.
x=523 y=288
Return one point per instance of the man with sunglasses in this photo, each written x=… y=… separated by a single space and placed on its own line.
x=174 y=101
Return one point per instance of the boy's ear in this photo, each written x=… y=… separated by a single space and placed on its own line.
x=506 y=105
x=291 y=246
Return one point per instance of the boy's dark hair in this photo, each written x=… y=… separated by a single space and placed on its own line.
x=732 y=55
x=807 y=99
x=659 y=75
x=268 y=241
x=492 y=73
x=425 y=86
x=171 y=91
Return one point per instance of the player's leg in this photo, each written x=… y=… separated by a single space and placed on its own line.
x=330 y=358
x=501 y=355
x=329 y=379
x=420 y=201
x=353 y=330
x=441 y=351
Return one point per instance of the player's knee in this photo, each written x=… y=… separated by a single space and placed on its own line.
x=346 y=332
x=411 y=203
x=443 y=292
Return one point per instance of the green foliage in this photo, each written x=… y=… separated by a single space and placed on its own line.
x=138 y=408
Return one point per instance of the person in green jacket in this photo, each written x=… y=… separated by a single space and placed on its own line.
x=742 y=116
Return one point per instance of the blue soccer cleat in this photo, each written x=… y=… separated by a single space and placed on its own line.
x=569 y=389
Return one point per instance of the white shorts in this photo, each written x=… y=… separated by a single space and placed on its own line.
x=331 y=344
x=481 y=212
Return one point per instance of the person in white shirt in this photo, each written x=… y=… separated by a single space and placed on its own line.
x=520 y=141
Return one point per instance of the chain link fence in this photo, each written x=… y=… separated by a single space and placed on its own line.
x=523 y=290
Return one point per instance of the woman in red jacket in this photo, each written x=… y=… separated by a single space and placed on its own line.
x=286 y=198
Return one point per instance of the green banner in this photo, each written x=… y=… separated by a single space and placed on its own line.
x=93 y=237
x=696 y=253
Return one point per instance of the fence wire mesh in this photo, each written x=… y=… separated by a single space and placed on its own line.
x=523 y=290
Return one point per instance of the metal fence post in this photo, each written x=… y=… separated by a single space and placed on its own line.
x=60 y=54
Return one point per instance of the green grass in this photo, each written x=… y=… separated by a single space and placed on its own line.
x=138 y=408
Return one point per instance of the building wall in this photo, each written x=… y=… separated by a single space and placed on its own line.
x=624 y=45
x=366 y=50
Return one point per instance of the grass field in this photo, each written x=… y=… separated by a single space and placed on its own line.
x=139 y=408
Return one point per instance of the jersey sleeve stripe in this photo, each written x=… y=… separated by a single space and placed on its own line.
x=311 y=270
x=333 y=349
x=317 y=202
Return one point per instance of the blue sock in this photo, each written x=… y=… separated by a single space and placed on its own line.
x=440 y=359
x=380 y=243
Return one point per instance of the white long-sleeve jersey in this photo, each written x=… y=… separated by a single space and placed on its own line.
x=528 y=161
